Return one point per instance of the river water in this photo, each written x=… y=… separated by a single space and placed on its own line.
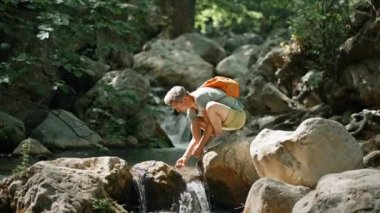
x=175 y=126
x=177 y=129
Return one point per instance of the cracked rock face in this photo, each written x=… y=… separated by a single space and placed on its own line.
x=68 y=185
x=301 y=157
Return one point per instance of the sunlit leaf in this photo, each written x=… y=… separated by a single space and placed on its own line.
x=43 y=35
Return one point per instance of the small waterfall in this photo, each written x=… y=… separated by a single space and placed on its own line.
x=188 y=203
x=138 y=178
x=195 y=199
x=174 y=125
x=177 y=127
x=198 y=187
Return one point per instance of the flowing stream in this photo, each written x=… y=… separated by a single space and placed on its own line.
x=194 y=199
x=198 y=194
x=140 y=189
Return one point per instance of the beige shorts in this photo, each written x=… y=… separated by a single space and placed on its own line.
x=235 y=120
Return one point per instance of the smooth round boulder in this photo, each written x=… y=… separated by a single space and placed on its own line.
x=301 y=157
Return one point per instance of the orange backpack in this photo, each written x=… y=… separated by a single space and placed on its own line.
x=228 y=85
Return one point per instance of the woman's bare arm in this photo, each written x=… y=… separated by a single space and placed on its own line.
x=196 y=132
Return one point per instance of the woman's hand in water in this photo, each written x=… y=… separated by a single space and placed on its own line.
x=180 y=163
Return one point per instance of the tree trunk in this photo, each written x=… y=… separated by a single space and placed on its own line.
x=178 y=16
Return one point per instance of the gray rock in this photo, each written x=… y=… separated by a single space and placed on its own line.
x=121 y=93
x=206 y=48
x=70 y=185
x=161 y=183
x=364 y=78
x=34 y=148
x=229 y=171
x=301 y=157
x=270 y=195
x=351 y=191
x=172 y=64
x=372 y=159
x=62 y=130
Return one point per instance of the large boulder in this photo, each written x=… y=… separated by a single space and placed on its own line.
x=271 y=62
x=264 y=97
x=12 y=132
x=365 y=44
x=62 y=130
x=206 y=48
x=237 y=63
x=69 y=185
x=229 y=172
x=317 y=147
x=112 y=171
x=160 y=183
x=363 y=77
x=171 y=64
x=351 y=191
x=269 y=195
x=122 y=93
x=149 y=131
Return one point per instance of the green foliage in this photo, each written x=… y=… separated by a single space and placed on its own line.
x=240 y=16
x=216 y=15
x=69 y=61
x=320 y=27
x=56 y=33
x=115 y=128
x=25 y=157
x=101 y=205
x=86 y=18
